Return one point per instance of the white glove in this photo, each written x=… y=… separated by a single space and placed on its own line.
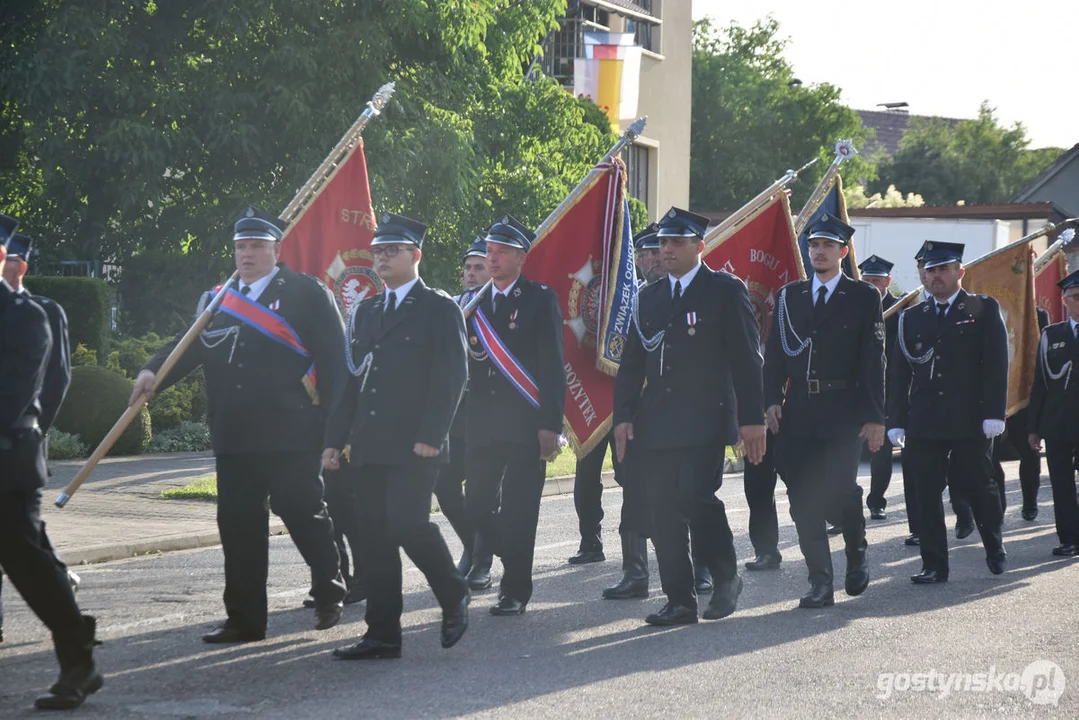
x=897 y=437
x=992 y=428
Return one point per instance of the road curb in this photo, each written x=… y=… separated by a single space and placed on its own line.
x=561 y=485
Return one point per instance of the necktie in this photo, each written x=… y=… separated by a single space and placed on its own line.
x=391 y=302
x=494 y=302
x=942 y=310
x=821 y=292
x=245 y=290
x=677 y=291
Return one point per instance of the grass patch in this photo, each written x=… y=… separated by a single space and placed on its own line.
x=205 y=488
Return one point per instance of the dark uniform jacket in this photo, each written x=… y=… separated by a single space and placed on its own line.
x=25 y=343
x=690 y=400
x=457 y=429
x=417 y=372
x=496 y=411
x=845 y=386
x=254 y=385
x=58 y=374
x=969 y=380
x=1054 y=403
x=891 y=325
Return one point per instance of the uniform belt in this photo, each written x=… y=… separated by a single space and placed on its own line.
x=816 y=387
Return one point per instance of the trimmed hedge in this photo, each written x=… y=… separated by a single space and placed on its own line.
x=87 y=303
x=95 y=401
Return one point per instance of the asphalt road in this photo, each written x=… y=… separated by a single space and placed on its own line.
x=887 y=653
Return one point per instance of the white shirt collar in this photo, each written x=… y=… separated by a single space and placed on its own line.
x=685 y=280
x=506 y=292
x=831 y=285
x=259 y=285
x=950 y=301
x=401 y=292
x=1073 y=325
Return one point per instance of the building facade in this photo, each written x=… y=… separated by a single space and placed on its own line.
x=658 y=163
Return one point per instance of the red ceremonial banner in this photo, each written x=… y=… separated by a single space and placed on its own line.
x=763 y=252
x=332 y=236
x=574 y=258
x=1047 y=293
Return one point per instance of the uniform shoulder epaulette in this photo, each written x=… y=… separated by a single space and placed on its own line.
x=442 y=293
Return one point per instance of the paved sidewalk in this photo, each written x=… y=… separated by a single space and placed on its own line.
x=119 y=512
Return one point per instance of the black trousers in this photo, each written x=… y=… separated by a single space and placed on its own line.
x=514 y=472
x=636 y=514
x=1063 y=459
x=27 y=558
x=682 y=485
x=822 y=484
x=760 y=489
x=588 y=493
x=343 y=503
x=967 y=466
x=249 y=485
x=1030 y=462
x=450 y=491
x=880 y=467
x=395 y=510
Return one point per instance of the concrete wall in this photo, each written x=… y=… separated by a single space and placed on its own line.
x=665 y=97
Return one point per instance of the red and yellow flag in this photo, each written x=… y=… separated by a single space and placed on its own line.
x=332 y=236
x=1008 y=275
x=763 y=252
x=586 y=257
x=1048 y=294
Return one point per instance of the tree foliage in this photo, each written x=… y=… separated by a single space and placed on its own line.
x=975 y=161
x=751 y=121
x=130 y=126
x=857 y=197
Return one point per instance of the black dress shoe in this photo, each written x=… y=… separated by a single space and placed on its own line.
x=997 y=563
x=1030 y=513
x=724 y=600
x=72 y=689
x=327 y=617
x=584 y=557
x=357 y=592
x=702 y=579
x=455 y=622
x=369 y=650
x=835 y=529
x=857 y=578
x=1066 y=550
x=229 y=634
x=963 y=528
x=878 y=514
x=765 y=561
x=929 y=577
x=478 y=578
x=508 y=606
x=627 y=589
x=672 y=614
x=819 y=595
x=912 y=540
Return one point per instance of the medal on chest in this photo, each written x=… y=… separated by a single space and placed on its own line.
x=691 y=322
x=513 y=320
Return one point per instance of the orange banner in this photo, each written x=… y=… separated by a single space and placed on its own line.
x=1008 y=276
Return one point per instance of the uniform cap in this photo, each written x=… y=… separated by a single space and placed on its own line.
x=509 y=231
x=399 y=229
x=682 y=223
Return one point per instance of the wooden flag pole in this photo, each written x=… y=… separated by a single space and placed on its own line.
x=304 y=196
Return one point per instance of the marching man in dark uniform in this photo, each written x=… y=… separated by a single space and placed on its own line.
x=824 y=387
x=517 y=394
x=58 y=372
x=950 y=376
x=406 y=358
x=25 y=553
x=272 y=359
x=449 y=488
x=690 y=366
x=877 y=272
x=1054 y=415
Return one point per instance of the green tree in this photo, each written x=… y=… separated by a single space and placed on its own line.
x=975 y=161
x=751 y=121
x=142 y=126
